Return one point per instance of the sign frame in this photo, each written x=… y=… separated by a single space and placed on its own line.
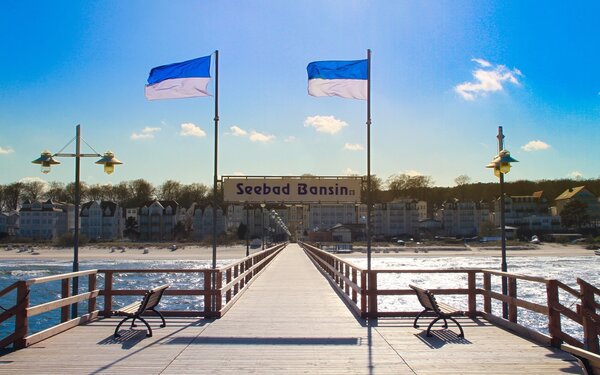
x=292 y=189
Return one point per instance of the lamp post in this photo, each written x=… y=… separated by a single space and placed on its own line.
x=247 y=230
x=46 y=160
x=501 y=166
x=262 y=216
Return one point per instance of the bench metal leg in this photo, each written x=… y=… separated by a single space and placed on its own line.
x=418 y=316
x=431 y=325
x=119 y=326
x=462 y=333
x=149 y=334
x=164 y=324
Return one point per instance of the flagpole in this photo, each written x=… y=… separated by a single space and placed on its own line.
x=214 y=239
x=369 y=159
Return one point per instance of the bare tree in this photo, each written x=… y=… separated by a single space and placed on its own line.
x=33 y=190
x=461 y=180
x=170 y=190
x=401 y=183
x=11 y=196
x=57 y=192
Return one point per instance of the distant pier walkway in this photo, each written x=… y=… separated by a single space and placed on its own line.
x=289 y=321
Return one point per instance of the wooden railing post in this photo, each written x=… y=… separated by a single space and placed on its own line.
x=372 y=293
x=487 y=287
x=363 y=294
x=236 y=273
x=219 y=296
x=208 y=292
x=588 y=311
x=22 y=320
x=512 y=294
x=91 y=288
x=554 y=328
x=472 y=293
x=354 y=299
x=65 y=292
x=227 y=281
x=347 y=274
x=108 y=286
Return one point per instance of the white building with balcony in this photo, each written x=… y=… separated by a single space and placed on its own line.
x=157 y=220
x=102 y=220
x=39 y=220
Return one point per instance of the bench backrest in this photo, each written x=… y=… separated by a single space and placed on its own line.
x=426 y=298
x=152 y=298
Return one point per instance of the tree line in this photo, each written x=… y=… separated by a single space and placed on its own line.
x=135 y=193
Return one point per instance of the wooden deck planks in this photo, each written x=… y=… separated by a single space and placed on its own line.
x=289 y=321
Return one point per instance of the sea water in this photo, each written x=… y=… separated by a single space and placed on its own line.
x=565 y=269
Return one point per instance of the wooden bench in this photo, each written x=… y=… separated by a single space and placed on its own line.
x=441 y=310
x=135 y=310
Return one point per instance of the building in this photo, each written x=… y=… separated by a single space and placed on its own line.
x=325 y=216
x=581 y=194
x=9 y=224
x=157 y=220
x=203 y=222
x=47 y=220
x=102 y=220
x=460 y=218
x=397 y=218
x=530 y=212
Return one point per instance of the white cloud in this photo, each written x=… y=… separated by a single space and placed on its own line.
x=147 y=133
x=576 y=175
x=325 y=124
x=290 y=139
x=350 y=172
x=45 y=183
x=239 y=174
x=191 y=130
x=482 y=62
x=238 y=132
x=353 y=147
x=535 y=146
x=488 y=78
x=412 y=173
x=260 y=137
x=7 y=150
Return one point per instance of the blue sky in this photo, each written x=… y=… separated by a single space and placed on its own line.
x=445 y=75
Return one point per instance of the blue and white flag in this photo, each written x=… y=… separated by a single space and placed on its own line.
x=186 y=79
x=347 y=79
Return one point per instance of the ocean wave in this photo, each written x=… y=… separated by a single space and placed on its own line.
x=28 y=274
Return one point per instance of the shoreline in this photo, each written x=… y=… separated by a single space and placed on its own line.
x=160 y=252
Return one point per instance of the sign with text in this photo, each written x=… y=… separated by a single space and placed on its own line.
x=292 y=189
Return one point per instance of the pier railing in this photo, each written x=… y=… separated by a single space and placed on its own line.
x=363 y=293
x=219 y=290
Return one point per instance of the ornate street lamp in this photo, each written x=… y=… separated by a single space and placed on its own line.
x=46 y=160
x=501 y=166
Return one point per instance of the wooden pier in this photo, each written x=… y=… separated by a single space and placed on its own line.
x=288 y=320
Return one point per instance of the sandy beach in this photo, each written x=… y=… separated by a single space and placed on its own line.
x=21 y=252
x=162 y=252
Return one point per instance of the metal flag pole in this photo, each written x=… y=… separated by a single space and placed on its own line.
x=215 y=181
x=369 y=159
x=214 y=239
x=75 y=287
x=503 y=265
